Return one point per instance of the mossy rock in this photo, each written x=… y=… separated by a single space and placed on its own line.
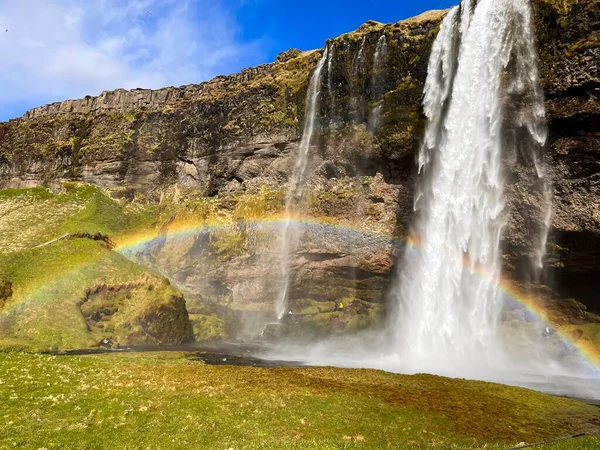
x=52 y=285
x=207 y=327
x=314 y=318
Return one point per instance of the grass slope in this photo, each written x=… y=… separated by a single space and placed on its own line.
x=165 y=401
x=49 y=284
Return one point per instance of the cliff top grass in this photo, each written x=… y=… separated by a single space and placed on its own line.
x=32 y=217
x=165 y=401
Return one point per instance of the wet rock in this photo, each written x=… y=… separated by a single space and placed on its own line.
x=273 y=331
x=106 y=343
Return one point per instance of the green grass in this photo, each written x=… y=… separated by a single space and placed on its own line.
x=30 y=217
x=165 y=401
x=207 y=327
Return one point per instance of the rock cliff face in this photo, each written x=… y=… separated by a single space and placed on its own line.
x=569 y=49
x=238 y=135
x=206 y=136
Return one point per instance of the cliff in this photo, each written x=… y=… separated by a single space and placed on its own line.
x=234 y=140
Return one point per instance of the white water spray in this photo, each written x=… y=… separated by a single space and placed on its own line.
x=449 y=302
x=289 y=235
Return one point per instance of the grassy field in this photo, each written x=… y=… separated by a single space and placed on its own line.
x=165 y=400
x=48 y=285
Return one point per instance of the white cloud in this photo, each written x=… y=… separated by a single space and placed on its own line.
x=58 y=49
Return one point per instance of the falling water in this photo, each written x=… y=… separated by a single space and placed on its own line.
x=377 y=85
x=380 y=58
x=449 y=300
x=358 y=71
x=330 y=85
x=289 y=236
x=358 y=64
x=524 y=86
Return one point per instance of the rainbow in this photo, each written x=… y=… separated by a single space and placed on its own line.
x=530 y=304
x=187 y=228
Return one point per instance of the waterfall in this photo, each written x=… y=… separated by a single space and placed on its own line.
x=289 y=236
x=377 y=81
x=357 y=96
x=330 y=85
x=358 y=63
x=449 y=302
x=482 y=88
x=380 y=57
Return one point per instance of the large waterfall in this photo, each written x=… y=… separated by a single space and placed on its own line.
x=449 y=300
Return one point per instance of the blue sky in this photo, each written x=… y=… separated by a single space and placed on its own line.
x=59 y=49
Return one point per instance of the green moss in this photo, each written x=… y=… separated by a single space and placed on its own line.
x=311 y=307
x=35 y=216
x=207 y=327
x=322 y=319
x=591 y=41
x=331 y=202
x=37 y=193
x=264 y=202
x=586 y=333
x=229 y=241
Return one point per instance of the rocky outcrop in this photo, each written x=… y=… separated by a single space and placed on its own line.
x=235 y=135
x=121 y=100
x=130 y=314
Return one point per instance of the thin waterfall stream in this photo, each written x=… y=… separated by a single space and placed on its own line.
x=377 y=82
x=289 y=235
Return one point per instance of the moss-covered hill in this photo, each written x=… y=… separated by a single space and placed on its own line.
x=76 y=291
